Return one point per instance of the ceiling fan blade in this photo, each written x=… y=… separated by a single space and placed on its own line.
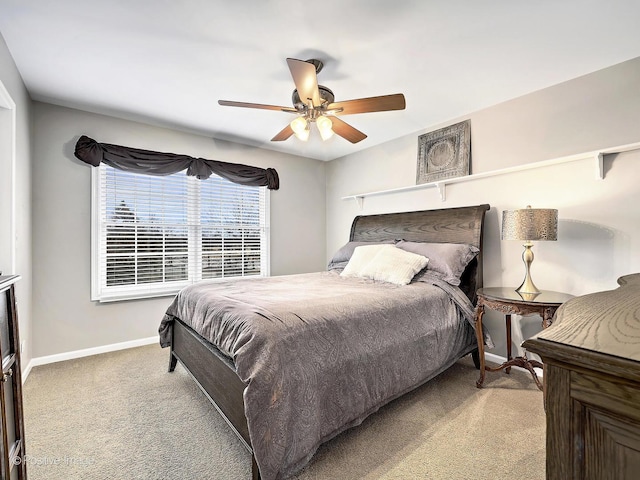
x=230 y=103
x=306 y=80
x=346 y=131
x=285 y=133
x=371 y=104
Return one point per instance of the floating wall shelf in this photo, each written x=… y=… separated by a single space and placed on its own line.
x=441 y=185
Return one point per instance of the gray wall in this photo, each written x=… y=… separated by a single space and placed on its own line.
x=12 y=82
x=66 y=319
x=599 y=227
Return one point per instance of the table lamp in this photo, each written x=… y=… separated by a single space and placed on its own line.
x=529 y=224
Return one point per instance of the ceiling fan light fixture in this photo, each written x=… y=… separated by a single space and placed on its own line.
x=304 y=135
x=313 y=103
x=324 y=126
x=300 y=127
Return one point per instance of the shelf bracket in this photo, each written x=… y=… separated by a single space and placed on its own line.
x=359 y=201
x=600 y=165
x=442 y=189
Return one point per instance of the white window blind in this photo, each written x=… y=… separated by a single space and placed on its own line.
x=152 y=235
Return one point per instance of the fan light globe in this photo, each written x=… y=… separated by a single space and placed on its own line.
x=303 y=135
x=301 y=128
x=324 y=126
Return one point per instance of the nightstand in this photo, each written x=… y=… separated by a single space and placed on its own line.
x=510 y=302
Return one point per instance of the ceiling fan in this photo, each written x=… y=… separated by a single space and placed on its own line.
x=314 y=103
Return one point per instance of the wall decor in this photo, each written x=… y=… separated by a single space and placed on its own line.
x=444 y=153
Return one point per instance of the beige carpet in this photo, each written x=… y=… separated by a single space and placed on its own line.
x=121 y=415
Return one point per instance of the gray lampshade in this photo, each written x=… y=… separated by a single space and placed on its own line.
x=530 y=224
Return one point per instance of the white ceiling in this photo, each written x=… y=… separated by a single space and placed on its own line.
x=168 y=62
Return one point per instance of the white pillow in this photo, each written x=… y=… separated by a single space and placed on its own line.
x=394 y=265
x=361 y=257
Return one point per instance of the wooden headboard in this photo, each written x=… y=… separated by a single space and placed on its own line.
x=447 y=225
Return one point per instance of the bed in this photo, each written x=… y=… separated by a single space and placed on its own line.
x=292 y=361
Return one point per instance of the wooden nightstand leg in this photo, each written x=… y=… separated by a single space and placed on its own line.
x=508 y=329
x=480 y=340
x=547 y=316
x=476 y=359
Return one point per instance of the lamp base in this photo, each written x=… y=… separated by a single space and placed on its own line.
x=527 y=286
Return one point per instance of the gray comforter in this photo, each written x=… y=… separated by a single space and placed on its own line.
x=320 y=352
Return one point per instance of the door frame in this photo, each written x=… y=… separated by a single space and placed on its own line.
x=6 y=102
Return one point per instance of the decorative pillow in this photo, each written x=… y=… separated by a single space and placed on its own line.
x=447 y=260
x=346 y=251
x=394 y=265
x=362 y=255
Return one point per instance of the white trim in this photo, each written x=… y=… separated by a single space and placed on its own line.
x=7 y=102
x=266 y=234
x=60 y=357
x=95 y=235
x=26 y=372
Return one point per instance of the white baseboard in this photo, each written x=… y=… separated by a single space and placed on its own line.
x=60 y=357
x=492 y=357
x=26 y=372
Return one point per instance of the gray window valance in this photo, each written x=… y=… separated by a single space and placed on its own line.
x=157 y=163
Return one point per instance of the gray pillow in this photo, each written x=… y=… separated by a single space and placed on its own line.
x=446 y=260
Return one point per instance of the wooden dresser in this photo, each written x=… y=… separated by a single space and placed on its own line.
x=12 y=452
x=591 y=358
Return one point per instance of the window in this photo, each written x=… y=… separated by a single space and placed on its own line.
x=153 y=235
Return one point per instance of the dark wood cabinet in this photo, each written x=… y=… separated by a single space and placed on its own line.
x=591 y=357
x=12 y=450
